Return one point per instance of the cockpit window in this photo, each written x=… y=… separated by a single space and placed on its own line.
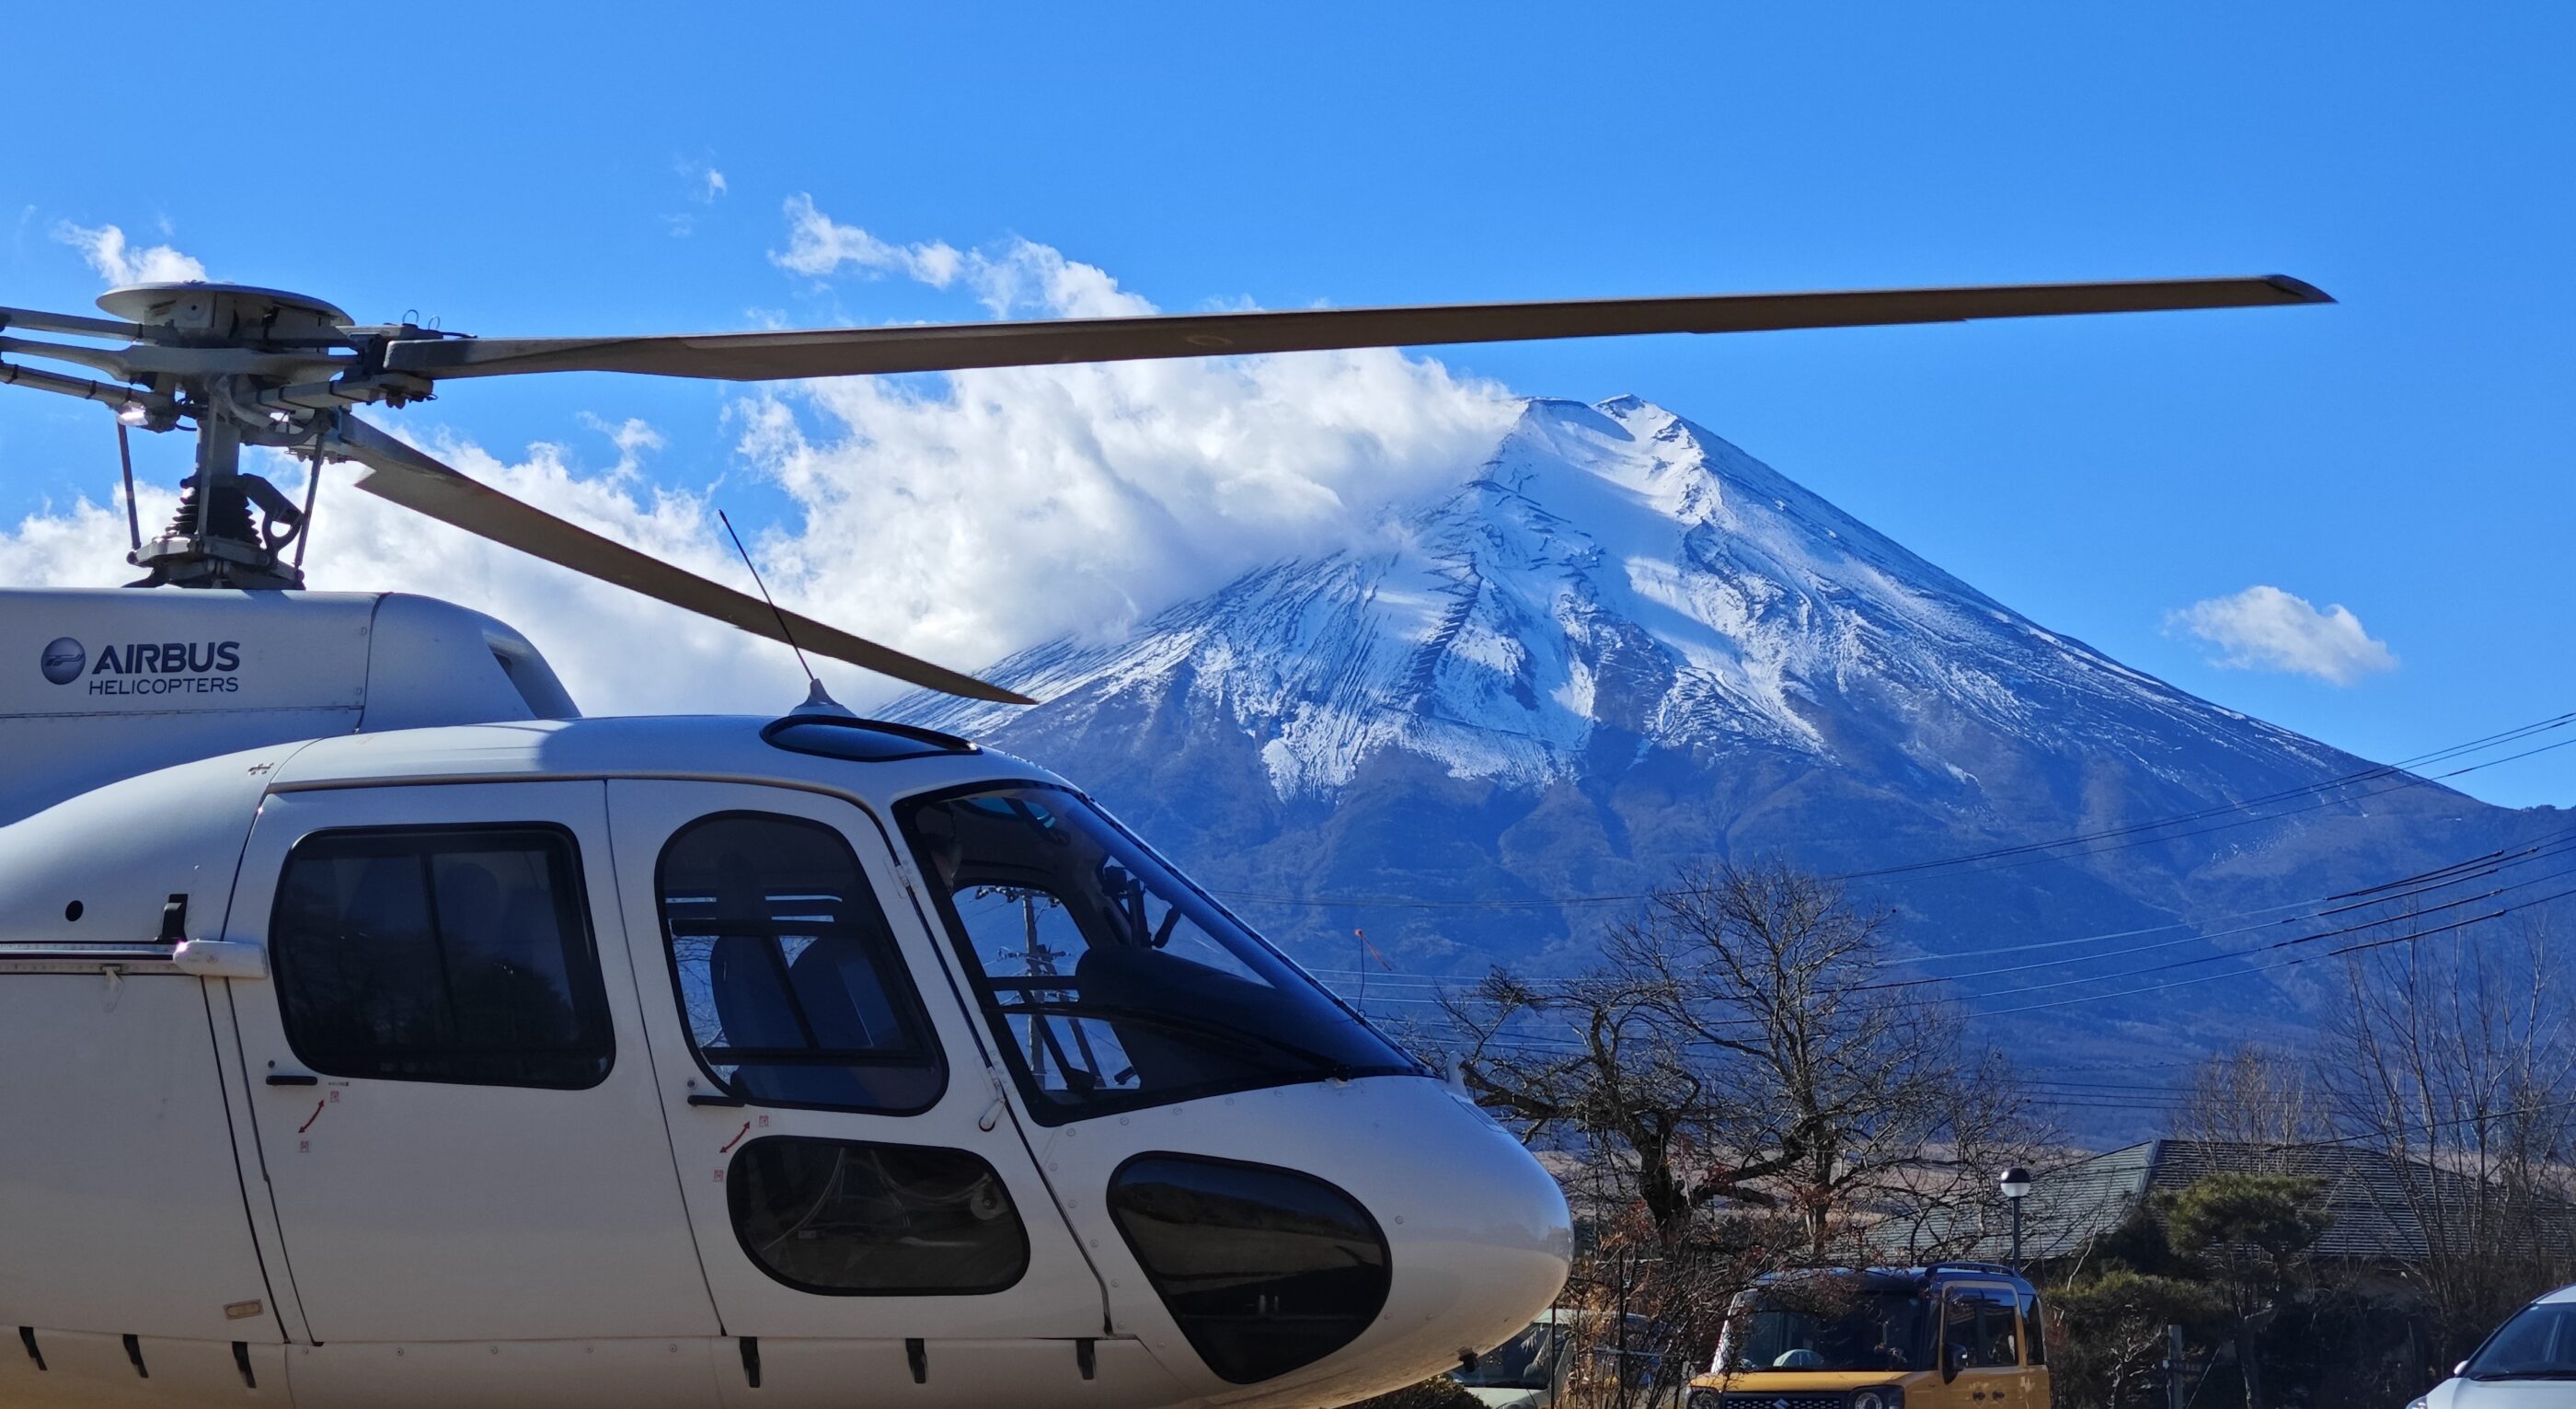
x=1115 y=983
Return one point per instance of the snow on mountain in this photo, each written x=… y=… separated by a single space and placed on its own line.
x=1615 y=569
x=1620 y=643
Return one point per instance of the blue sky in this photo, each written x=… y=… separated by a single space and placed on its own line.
x=544 y=169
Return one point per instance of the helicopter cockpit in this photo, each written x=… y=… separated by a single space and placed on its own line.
x=1117 y=984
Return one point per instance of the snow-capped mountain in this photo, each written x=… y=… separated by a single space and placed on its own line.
x=1616 y=570
x=1621 y=642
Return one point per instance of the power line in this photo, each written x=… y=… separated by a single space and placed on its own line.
x=2425 y=881
x=2283 y=964
x=2409 y=937
x=2387 y=893
x=2378 y=894
x=2427 y=878
x=2196 y=959
x=2399 y=770
x=2428 y=1127
x=2033 y=851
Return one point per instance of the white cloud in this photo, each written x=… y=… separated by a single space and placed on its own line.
x=706 y=184
x=1017 y=276
x=959 y=518
x=2265 y=628
x=82 y=546
x=632 y=437
x=1009 y=506
x=818 y=247
x=118 y=262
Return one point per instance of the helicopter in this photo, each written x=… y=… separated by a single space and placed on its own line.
x=381 y=1030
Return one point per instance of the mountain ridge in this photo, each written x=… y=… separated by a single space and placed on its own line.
x=1620 y=643
x=1715 y=639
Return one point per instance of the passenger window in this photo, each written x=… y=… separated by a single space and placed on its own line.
x=1980 y=1323
x=788 y=977
x=1958 y=1331
x=847 y=1218
x=2034 y=1328
x=459 y=954
x=2002 y=1330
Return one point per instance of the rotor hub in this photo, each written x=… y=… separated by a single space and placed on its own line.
x=235 y=315
x=249 y=366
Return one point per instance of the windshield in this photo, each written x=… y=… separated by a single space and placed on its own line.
x=1115 y=983
x=2539 y=1343
x=1526 y=1361
x=1828 y=1325
x=1545 y=1349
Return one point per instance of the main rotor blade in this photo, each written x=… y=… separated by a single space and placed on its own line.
x=841 y=352
x=78 y=326
x=423 y=483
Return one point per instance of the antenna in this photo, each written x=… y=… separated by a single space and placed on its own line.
x=784 y=634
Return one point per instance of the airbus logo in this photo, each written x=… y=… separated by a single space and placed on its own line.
x=63 y=660
x=147 y=667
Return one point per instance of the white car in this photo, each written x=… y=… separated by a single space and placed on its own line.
x=1539 y=1368
x=2529 y=1362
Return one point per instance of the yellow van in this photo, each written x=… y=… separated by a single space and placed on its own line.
x=1954 y=1335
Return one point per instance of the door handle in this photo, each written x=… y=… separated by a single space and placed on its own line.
x=703 y=1098
x=293 y=1078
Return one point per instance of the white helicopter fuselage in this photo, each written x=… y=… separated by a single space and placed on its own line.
x=371 y=1034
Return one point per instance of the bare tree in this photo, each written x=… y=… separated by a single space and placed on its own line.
x=1739 y=1049
x=2254 y=1096
x=2458 y=1063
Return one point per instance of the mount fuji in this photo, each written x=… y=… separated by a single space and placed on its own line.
x=1619 y=643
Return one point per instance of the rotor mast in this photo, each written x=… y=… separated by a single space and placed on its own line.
x=234 y=365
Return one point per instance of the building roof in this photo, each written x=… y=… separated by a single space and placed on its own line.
x=2373 y=1198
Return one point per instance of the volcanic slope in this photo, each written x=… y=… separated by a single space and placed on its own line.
x=1622 y=642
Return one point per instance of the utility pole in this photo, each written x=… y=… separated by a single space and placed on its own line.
x=1622 y=1342
x=2173 y=1367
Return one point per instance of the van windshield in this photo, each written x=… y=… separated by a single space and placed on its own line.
x=1828 y=1325
x=1112 y=982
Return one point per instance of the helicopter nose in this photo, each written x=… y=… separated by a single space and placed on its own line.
x=1411 y=1229
x=1479 y=1240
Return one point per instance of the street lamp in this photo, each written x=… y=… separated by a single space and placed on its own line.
x=2016 y=1186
